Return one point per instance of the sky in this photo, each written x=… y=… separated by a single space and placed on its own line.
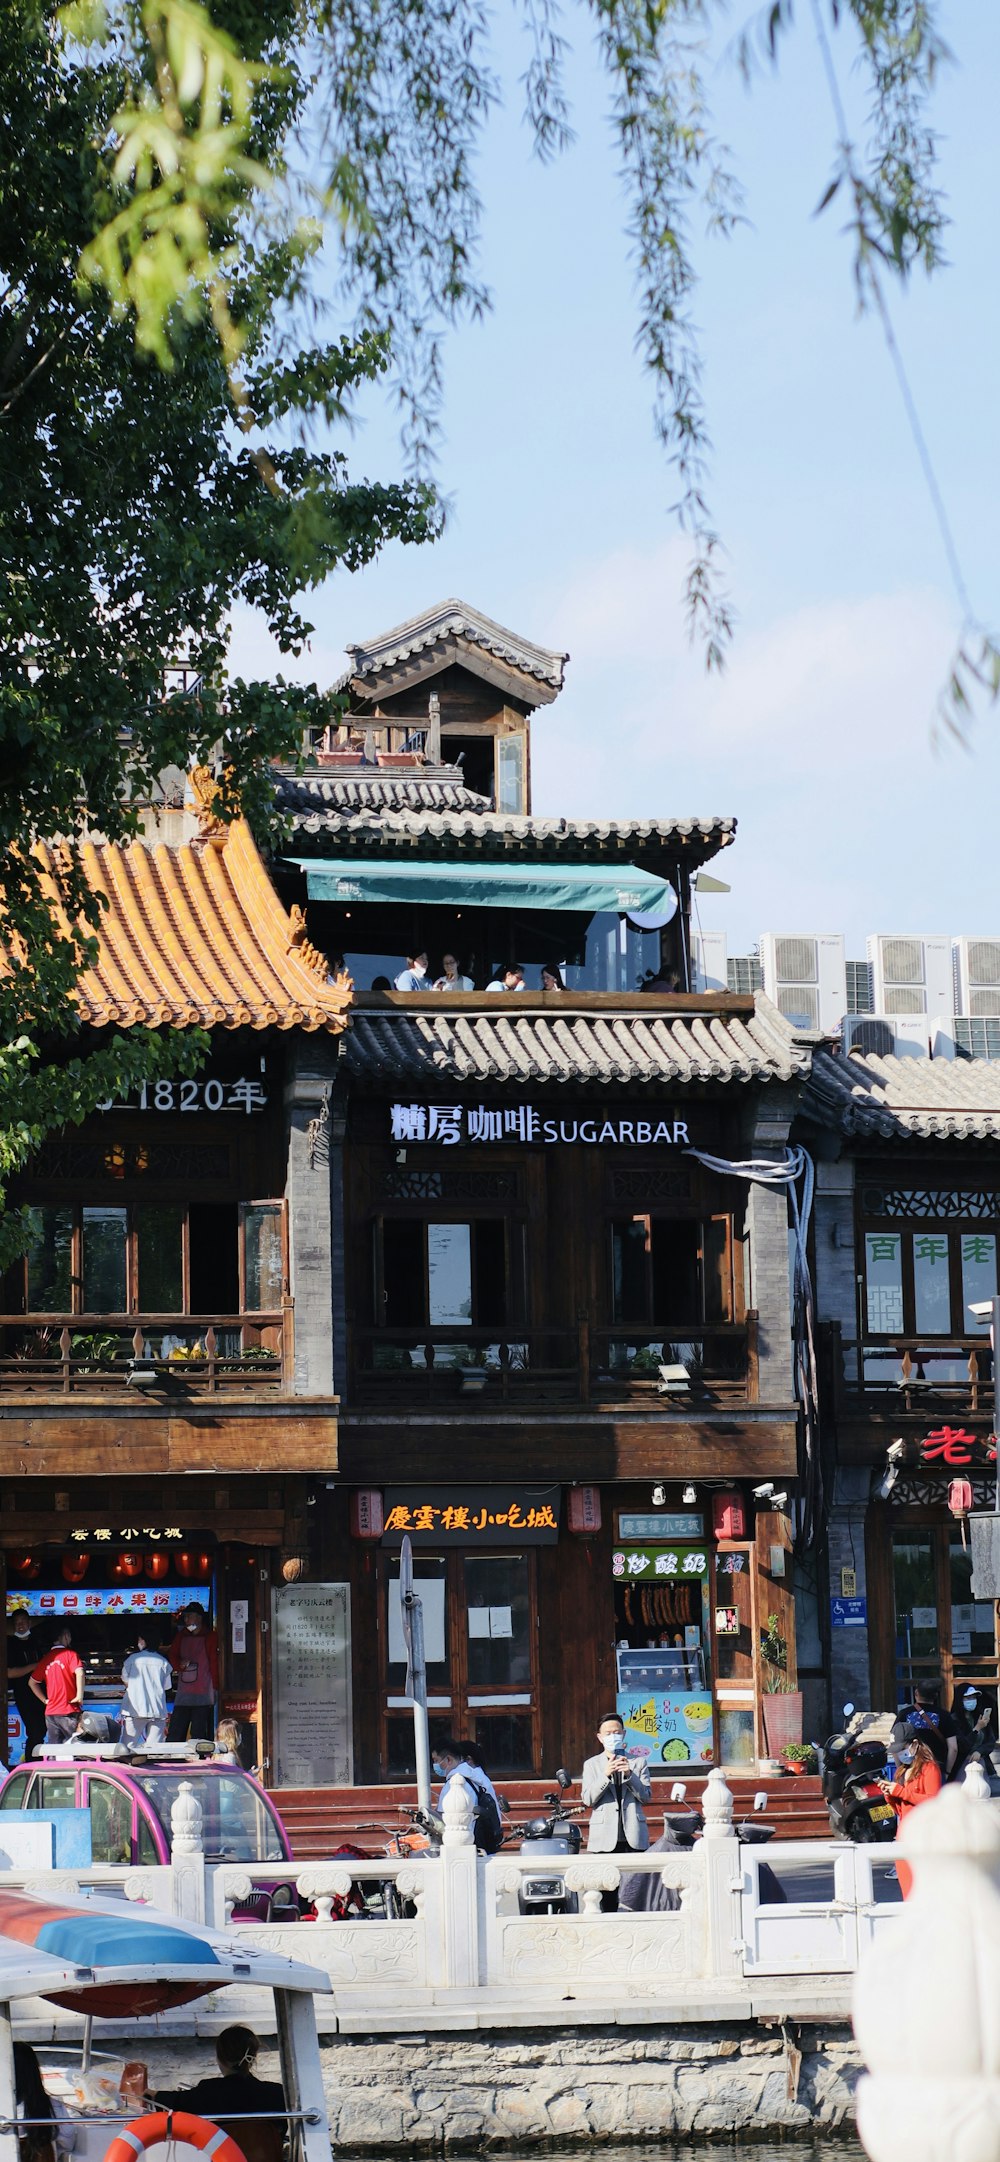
x=819 y=737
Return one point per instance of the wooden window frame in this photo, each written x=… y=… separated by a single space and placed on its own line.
x=700 y=1219
x=517 y=1305
x=907 y=1230
x=133 y=1287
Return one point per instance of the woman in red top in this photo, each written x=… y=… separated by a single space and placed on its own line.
x=921 y=1778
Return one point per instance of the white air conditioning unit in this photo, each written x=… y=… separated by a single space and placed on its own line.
x=866 y=1032
x=911 y=975
x=891 y=1035
x=977 y=977
x=710 y=961
x=806 y=977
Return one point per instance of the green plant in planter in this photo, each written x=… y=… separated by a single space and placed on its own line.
x=95 y=1348
x=800 y=1753
x=774 y=1653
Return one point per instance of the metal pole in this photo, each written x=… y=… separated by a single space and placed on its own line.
x=416 y=1671
x=421 y=1733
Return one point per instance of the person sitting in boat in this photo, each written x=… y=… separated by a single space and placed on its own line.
x=250 y=2109
x=38 y=2132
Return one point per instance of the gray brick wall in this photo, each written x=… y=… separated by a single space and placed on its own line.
x=850 y=1674
x=308 y=1095
x=765 y=1135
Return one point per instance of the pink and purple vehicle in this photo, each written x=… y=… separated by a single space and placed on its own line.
x=129 y=1801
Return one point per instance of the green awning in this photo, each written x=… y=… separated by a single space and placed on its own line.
x=586 y=887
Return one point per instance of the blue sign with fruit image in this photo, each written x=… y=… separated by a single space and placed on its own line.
x=667 y=1728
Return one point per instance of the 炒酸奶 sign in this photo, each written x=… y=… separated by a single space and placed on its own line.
x=472 y=1515
x=451 y=1125
x=638 y=1564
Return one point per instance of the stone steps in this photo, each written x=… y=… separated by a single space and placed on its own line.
x=322 y=1818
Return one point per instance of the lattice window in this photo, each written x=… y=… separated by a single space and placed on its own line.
x=645 y=1186
x=499 y=1184
x=964 y=1204
x=179 y=1160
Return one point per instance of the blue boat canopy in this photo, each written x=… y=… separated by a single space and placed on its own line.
x=583 y=887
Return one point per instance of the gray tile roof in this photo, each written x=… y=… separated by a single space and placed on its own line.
x=316 y=801
x=453 y=619
x=563 y=1042
x=370 y=827
x=904 y=1099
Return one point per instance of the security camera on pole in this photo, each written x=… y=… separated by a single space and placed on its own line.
x=415 y=1686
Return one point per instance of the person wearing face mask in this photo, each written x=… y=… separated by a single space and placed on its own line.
x=23 y=1654
x=614 y=1787
x=194 y=1656
x=921 y=1776
x=453 y=1761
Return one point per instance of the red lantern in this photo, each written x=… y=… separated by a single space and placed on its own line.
x=75 y=1567
x=27 y=1566
x=367 y=1513
x=960 y=1497
x=129 y=1565
x=193 y=1567
x=156 y=1566
x=729 y=1517
x=583 y=1513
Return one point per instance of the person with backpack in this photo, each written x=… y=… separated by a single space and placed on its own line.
x=455 y=1760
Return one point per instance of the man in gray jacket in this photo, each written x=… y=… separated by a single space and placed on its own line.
x=613 y=1787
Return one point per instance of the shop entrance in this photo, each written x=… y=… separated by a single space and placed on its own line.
x=937 y=1628
x=480 y=1643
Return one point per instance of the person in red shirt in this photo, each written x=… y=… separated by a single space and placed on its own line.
x=58 y=1682
x=194 y=1656
x=921 y=1778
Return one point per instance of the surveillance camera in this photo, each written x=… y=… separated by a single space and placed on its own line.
x=982 y=1308
x=659 y=1496
x=895 y=1452
x=761 y=1493
x=760 y=1801
x=778 y=1501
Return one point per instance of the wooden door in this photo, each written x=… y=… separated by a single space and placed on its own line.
x=480 y=1633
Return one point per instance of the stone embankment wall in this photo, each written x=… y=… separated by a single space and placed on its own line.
x=448 y=2092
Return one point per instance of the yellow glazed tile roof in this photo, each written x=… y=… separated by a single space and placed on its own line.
x=195 y=937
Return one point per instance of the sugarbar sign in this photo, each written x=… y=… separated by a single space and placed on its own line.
x=450 y=1125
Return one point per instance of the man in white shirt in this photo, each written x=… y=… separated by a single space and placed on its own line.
x=147 y=1676
x=414 y=976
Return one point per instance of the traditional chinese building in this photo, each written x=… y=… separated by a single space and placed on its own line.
x=907 y=1210
x=561 y=1319
x=167 y=1402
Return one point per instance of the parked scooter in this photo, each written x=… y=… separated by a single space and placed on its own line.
x=856 y=1803
x=555 y=1836
x=688 y=1828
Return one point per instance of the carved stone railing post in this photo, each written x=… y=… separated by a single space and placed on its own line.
x=459 y=1881
x=926 y=1994
x=187 y=1854
x=718 y=1853
x=717 y=1807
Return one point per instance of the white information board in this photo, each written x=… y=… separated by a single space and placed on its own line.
x=313 y=1733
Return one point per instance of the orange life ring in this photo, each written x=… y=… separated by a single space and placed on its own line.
x=164 y=2124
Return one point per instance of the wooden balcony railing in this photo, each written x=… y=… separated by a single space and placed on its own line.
x=910 y=1373
x=405 y=1366
x=151 y=1355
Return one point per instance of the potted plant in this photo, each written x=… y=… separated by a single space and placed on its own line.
x=782 y=1701
x=799 y=1758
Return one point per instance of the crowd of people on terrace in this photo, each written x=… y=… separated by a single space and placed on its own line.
x=416 y=976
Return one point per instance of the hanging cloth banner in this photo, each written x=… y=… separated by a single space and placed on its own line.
x=796 y=1165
